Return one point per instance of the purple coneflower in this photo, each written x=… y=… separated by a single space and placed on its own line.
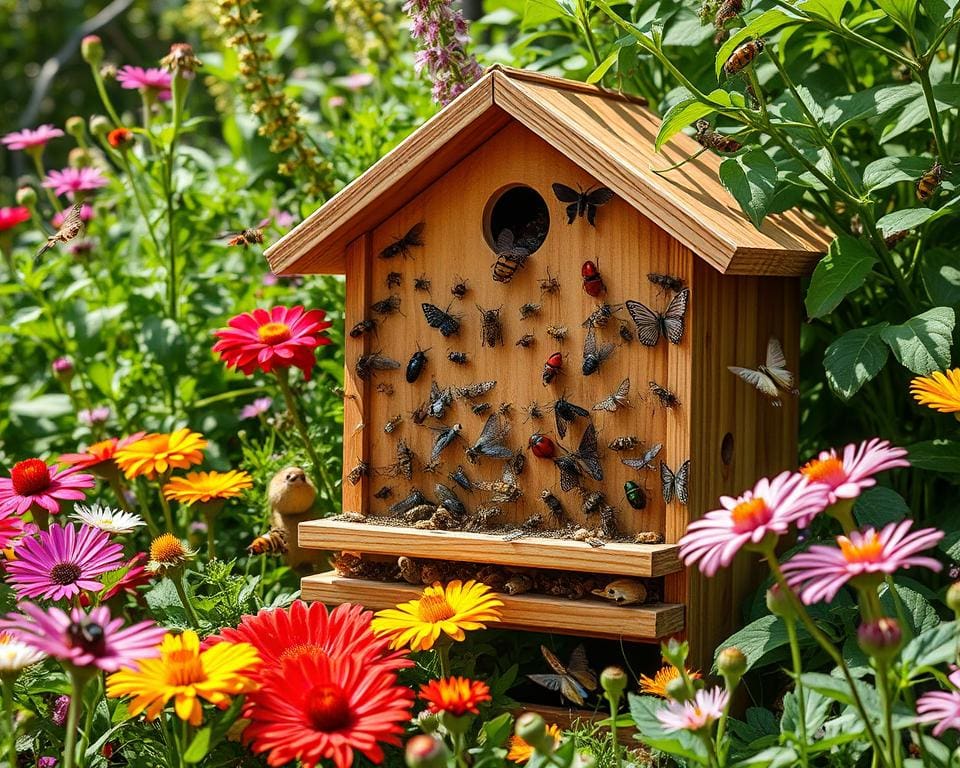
x=254 y=409
x=33 y=482
x=941 y=707
x=151 y=81
x=69 y=181
x=31 y=138
x=58 y=563
x=847 y=475
x=84 y=639
x=705 y=709
x=862 y=558
x=767 y=510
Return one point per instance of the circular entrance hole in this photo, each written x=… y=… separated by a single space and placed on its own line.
x=521 y=210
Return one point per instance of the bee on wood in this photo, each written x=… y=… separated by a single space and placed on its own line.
x=592 y=502
x=472 y=391
x=626 y=333
x=385 y=388
x=530 y=524
x=273 y=542
x=549 y=285
x=608 y=520
x=665 y=396
x=252 y=236
x=460 y=287
x=600 y=316
x=557 y=332
x=419 y=512
x=364 y=326
x=511 y=256
x=461 y=479
x=711 y=139
x=404 y=463
x=387 y=306
x=554 y=504
x=504 y=409
x=616 y=399
x=928 y=184
x=526 y=340
x=532 y=411
x=518 y=584
x=403 y=506
x=529 y=310
x=460 y=358
x=392 y=424
x=401 y=245
x=433 y=465
x=490 y=442
x=625 y=443
x=442 y=320
x=728 y=10
x=491 y=329
x=480 y=408
x=594 y=354
x=394 y=279
x=742 y=56
x=385 y=492
x=421 y=283
x=367 y=364
x=361 y=470
x=449 y=500
x=445 y=436
x=419 y=414
x=623 y=592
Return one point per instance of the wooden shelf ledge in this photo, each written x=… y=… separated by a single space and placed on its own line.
x=622 y=559
x=527 y=612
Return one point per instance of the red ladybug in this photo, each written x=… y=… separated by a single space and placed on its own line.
x=592 y=282
x=542 y=446
x=552 y=367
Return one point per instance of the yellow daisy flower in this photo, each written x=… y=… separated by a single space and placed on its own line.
x=156 y=454
x=207 y=486
x=521 y=752
x=940 y=390
x=186 y=675
x=657 y=685
x=166 y=552
x=451 y=609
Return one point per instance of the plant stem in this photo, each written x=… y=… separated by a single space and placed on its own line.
x=104 y=96
x=165 y=505
x=943 y=153
x=319 y=474
x=883 y=686
x=11 y=718
x=798 y=684
x=78 y=681
x=38 y=165
x=141 y=204
x=177 y=579
x=614 y=706
x=443 y=655
x=210 y=518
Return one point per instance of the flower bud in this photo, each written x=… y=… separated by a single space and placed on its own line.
x=731 y=663
x=63 y=369
x=532 y=729
x=428 y=721
x=78 y=157
x=108 y=71
x=181 y=61
x=91 y=49
x=27 y=196
x=880 y=638
x=426 y=752
x=100 y=125
x=58 y=714
x=675 y=652
x=953 y=593
x=614 y=683
x=584 y=760
x=677 y=690
x=75 y=126
x=778 y=603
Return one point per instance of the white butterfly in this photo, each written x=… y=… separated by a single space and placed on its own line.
x=772 y=377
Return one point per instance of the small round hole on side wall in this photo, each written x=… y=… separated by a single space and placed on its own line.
x=726 y=449
x=520 y=209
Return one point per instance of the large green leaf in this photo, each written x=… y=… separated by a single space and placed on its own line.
x=936 y=456
x=855 y=358
x=868 y=103
x=890 y=170
x=650 y=730
x=940 y=270
x=684 y=113
x=825 y=9
x=756 y=28
x=752 y=180
x=903 y=12
x=930 y=649
x=903 y=220
x=879 y=506
x=922 y=344
x=42 y=407
x=760 y=638
x=840 y=272
x=916 y=112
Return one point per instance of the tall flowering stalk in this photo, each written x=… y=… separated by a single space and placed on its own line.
x=442 y=35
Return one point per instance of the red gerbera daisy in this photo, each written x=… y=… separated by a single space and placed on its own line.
x=455 y=695
x=34 y=484
x=281 y=338
x=307 y=629
x=316 y=707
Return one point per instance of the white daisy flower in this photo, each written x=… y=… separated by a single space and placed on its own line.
x=107 y=518
x=15 y=655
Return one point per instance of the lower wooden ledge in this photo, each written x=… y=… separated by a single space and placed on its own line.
x=528 y=612
x=622 y=559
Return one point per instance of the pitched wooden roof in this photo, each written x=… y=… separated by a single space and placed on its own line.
x=608 y=134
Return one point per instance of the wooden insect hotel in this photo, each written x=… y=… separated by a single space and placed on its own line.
x=527 y=219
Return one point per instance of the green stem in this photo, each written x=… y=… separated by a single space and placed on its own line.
x=177 y=579
x=88 y=724
x=104 y=96
x=584 y=15
x=78 y=681
x=8 y=682
x=210 y=517
x=319 y=472
x=443 y=656
x=141 y=203
x=614 y=706
x=943 y=149
x=41 y=172
x=798 y=685
x=165 y=505
x=883 y=686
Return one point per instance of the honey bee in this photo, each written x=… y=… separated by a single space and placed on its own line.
x=392 y=424
x=246 y=237
x=422 y=283
x=928 y=183
x=526 y=340
x=394 y=279
x=558 y=332
x=273 y=542
x=623 y=592
x=528 y=310
x=460 y=287
x=742 y=56
x=361 y=470
x=727 y=11
x=709 y=138
x=385 y=492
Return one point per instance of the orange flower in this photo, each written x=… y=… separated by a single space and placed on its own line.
x=940 y=390
x=207 y=486
x=98 y=453
x=521 y=752
x=455 y=695
x=657 y=685
x=120 y=138
x=157 y=454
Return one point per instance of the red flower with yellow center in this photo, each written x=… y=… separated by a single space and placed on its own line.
x=98 y=453
x=455 y=695
x=32 y=483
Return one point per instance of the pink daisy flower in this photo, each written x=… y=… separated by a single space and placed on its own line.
x=279 y=338
x=847 y=475
x=155 y=80
x=86 y=213
x=820 y=572
x=31 y=138
x=767 y=510
x=33 y=482
x=941 y=707
x=58 y=563
x=84 y=639
x=705 y=709
x=11 y=527
x=254 y=409
x=12 y=217
x=69 y=181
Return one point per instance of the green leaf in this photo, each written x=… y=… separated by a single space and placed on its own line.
x=825 y=9
x=880 y=506
x=42 y=406
x=678 y=117
x=539 y=12
x=940 y=271
x=903 y=220
x=922 y=344
x=891 y=170
x=903 y=12
x=930 y=648
x=921 y=615
x=854 y=359
x=650 y=730
x=198 y=747
x=497 y=731
x=752 y=180
x=760 y=638
x=756 y=28
x=945 y=96
x=840 y=272
x=817 y=708
x=163 y=337
x=597 y=75
x=872 y=102
x=936 y=456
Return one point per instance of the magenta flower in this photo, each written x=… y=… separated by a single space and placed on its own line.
x=863 y=558
x=33 y=482
x=767 y=510
x=705 y=709
x=941 y=707
x=31 y=138
x=12 y=217
x=62 y=365
x=11 y=527
x=847 y=475
x=86 y=213
x=58 y=714
x=148 y=81
x=58 y=563
x=84 y=639
x=69 y=181
x=254 y=409
x=92 y=416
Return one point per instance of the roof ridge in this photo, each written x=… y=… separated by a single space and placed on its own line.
x=561 y=83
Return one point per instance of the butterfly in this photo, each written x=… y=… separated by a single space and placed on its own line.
x=447 y=324
x=616 y=399
x=675 y=483
x=645 y=461
x=575 y=681
x=650 y=324
x=582 y=201
x=71 y=228
x=772 y=377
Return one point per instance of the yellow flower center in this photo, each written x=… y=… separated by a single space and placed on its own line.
x=867 y=548
x=184 y=668
x=829 y=471
x=434 y=608
x=750 y=514
x=274 y=333
x=327 y=708
x=167 y=548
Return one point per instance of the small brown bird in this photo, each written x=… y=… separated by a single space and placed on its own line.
x=623 y=592
x=70 y=229
x=291 y=496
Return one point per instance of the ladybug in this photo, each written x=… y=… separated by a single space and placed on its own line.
x=552 y=367
x=592 y=282
x=542 y=446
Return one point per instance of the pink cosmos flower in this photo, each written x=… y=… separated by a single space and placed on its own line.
x=356 y=81
x=155 y=80
x=941 y=707
x=767 y=510
x=86 y=213
x=254 y=409
x=91 y=416
x=69 y=181
x=85 y=639
x=31 y=138
x=58 y=563
x=706 y=708
x=12 y=217
x=33 y=482
x=847 y=475
x=819 y=573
